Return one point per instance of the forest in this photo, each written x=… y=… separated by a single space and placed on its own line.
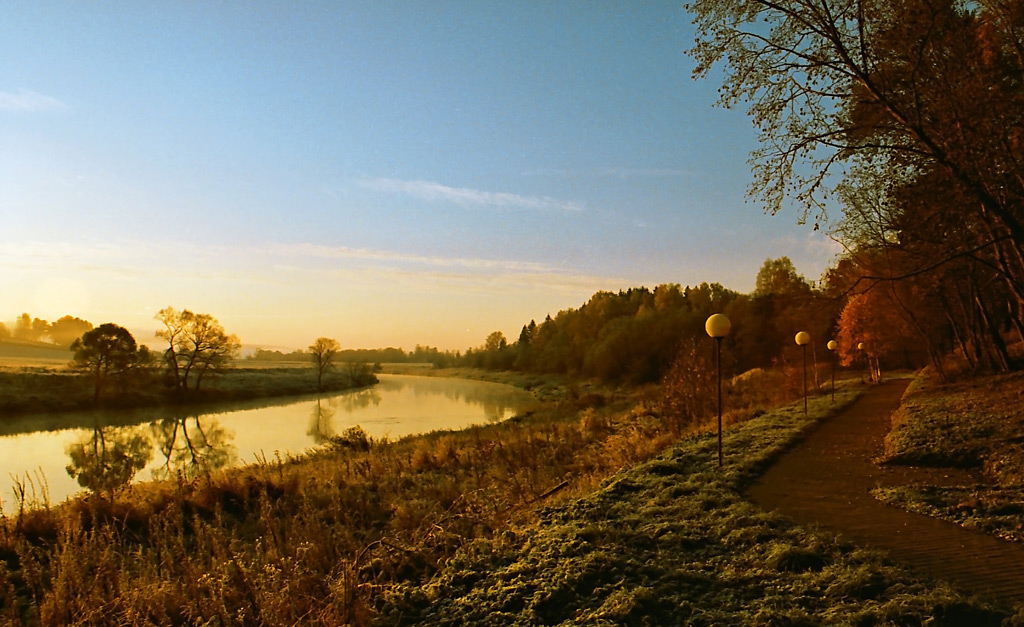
x=896 y=127
x=634 y=336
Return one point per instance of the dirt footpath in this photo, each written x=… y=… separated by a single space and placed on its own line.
x=827 y=479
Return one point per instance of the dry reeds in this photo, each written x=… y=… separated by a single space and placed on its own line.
x=313 y=540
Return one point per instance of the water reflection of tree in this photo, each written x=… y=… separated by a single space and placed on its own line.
x=353 y=401
x=497 y=404
x=190 y=447
x=494 y=411
x=109 y=457
x=320 y=427
x=496 y=400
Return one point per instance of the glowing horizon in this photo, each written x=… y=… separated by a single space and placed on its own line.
x=384 y=174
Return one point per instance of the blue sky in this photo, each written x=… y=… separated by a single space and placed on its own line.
x=384 y=173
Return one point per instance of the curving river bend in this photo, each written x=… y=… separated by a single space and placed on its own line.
x=141 y=445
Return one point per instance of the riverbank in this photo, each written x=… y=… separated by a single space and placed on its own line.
x=333 y=517
x=27 y=392
x=605 y=512
x=101 y=450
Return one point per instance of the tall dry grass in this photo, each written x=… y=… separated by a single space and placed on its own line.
x=316 y=540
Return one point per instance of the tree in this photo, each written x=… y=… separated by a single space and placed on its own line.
x=524 y=351
x=30 y=329
x=874 y=319
x=196 y=344
x=495 y=342
x=688 y=388
x=891 y=84
x=65 y=330
x=496 y=353
x=779 y=277
x=104 y=353
x=323 y=351
x=949 y=264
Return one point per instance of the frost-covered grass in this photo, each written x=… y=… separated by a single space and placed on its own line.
x=973 y=423
x=989 y=509
x=672 y=541
x=976 y=423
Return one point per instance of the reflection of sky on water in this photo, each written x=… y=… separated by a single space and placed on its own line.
x=190 y=444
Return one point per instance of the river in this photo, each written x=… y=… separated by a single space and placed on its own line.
x=131 y=446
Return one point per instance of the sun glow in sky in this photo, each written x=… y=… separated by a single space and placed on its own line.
x=384 y=173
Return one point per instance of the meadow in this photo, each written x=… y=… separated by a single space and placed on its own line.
x=17 y=355
x=594 y=507
x=35 y=378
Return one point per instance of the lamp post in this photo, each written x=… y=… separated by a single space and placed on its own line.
x=860 y=348
x=803 y=338
x=718 y=326
x=832 y=346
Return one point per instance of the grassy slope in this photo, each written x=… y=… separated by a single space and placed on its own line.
x=975 y=423
x=672 y=541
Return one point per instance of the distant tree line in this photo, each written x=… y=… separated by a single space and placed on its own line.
x=61 y=332
x=964 y=312
x=391 y=355
x=634 y=336
x=196 y=348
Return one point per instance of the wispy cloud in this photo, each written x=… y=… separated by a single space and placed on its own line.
x=290 y=264
x=319 y=251
x=24 y=101
x=427 y=190
x=282 y=293
x=629 y=173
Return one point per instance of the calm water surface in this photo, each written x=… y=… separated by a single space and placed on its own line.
x=156 y=444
